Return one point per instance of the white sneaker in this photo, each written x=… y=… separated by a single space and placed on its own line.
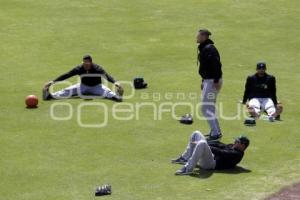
x=183 y=171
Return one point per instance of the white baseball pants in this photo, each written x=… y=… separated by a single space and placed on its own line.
x=265 y=104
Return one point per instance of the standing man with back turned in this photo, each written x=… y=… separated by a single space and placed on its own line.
x=211 y=73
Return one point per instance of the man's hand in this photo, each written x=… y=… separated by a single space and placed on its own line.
x=119 y=89
x=242 y=102
x=217 y=86
x=47 y=85
x=117 y=84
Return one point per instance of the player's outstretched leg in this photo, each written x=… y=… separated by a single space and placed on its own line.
x=111 y=95
x=62 y=94
x=103 y=91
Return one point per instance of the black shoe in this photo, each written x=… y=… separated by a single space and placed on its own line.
x=271 y=119
x=103 y=190
x=250 y=122
x=277 y=118
x=117 y=99
x=47 y=95
x=252 y=117
x=212 y=138
x=179 y=160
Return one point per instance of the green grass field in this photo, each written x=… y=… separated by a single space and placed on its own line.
x=46 y=159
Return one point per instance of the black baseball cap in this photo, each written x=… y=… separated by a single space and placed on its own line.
x=243 y=140
x=87 y=57
x=205 y=31
x=261 y=65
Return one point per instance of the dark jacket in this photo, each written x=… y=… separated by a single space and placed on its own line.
x=89 y=78
x=210 y=63
x=260 y=87
x=225 y=155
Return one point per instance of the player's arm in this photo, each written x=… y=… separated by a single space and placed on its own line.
x=216 y=144
x=64 y=76
x=247 y=90
x=106 y=75
x=111 y=79
x=273 y=91
x=223 y=152
x=215 y=63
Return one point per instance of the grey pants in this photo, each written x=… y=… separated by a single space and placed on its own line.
x=198 y=152
x=208 y=98
x=81 y=90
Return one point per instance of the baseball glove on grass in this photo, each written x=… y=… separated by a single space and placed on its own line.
x=103 y=190
x=186 y=119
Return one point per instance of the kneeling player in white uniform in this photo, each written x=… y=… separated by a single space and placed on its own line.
x=91 y=84
x=260 y=91
x=210 y=155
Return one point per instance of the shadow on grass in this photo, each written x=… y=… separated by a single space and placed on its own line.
x=85 y=98
x=204 y=174
x=31 y=108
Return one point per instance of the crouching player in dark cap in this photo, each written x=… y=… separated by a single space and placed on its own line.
x=211 y=155
x=260 y=91
x=91 y=84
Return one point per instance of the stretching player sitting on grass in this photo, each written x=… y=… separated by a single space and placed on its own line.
x=210 y=155
x=91 y=84
x=260 y=90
